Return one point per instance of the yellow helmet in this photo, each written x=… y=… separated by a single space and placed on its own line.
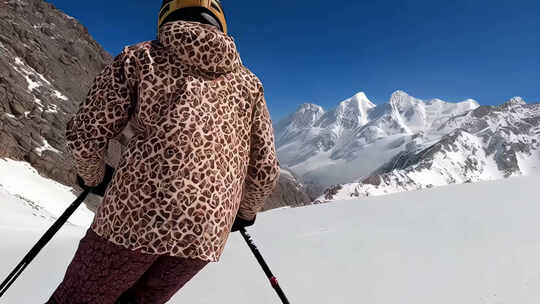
x=214 y=7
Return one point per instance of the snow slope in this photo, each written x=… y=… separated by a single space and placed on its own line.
x=20 y=178
x=466 y=244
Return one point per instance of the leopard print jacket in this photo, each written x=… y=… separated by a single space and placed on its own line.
x=202 y=151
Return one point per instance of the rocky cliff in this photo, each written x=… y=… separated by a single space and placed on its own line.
x=48 y=61
x=289 y=192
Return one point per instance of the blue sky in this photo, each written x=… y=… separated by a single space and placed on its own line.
x=326 y=51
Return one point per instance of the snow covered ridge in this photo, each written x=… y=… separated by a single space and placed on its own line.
x=488 y=143
x=352 y=140
x=407 y=144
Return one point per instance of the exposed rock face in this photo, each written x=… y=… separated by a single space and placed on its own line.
x=289 y=192
x=47 y=63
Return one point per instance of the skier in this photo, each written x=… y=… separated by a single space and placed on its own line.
x=200 y=163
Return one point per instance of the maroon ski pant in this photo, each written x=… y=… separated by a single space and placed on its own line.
x=101 y=272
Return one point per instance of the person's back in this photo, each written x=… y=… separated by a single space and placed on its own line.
x=202 y=151
x=198 y=117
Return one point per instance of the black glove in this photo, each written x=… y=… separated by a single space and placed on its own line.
x=240 y=223
x=99 y=189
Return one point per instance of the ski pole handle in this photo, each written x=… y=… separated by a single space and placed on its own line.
x=6 y=284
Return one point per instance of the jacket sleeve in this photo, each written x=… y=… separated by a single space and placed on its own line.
x=263 y=168
x=101 y=117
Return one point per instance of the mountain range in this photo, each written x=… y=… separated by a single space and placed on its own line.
x=362 y=149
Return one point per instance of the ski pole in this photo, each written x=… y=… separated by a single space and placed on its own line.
x=266 y=269
x=42 y=243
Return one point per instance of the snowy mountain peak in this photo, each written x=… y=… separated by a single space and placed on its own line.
x=402 y=100
x=435 y=101
x=399 y=93
x=474 y=104
x=309 y=107
x=406 y=112
x=362 y=98
x=515 y=101
x=305 y=116
x=354 y=111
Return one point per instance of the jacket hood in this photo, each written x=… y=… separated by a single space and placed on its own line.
x=201 y=45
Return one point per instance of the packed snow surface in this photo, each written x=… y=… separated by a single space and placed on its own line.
x=461 y=244
x=21 y=179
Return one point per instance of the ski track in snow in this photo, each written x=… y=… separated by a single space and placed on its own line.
x=461 y=244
